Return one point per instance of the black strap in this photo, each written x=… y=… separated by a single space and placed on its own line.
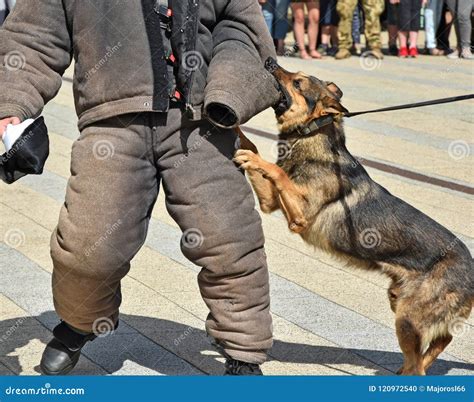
x=316 y=125
x=311 y=129
x=413 y=105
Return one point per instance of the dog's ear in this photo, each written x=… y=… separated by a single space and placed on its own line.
x=331 y=105
x=335 y=90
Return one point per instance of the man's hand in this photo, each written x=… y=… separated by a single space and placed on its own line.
x=5 y=122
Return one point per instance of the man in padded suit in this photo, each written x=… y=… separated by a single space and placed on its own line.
x=162 y=86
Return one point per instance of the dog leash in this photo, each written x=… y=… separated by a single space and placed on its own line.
x=320 y=122
x=413 y=105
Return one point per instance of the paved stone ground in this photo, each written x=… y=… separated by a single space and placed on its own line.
x=328 y=318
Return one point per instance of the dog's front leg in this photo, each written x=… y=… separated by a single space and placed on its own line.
x=265 y=190
x=291 y=196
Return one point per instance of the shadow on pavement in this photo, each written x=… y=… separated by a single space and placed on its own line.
x=133 y=341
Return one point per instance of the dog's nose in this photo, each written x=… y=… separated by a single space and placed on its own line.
x=271 y=64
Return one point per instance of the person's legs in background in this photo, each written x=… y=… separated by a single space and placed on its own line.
x=313 y=27
x=465 y=8
x=392 y=28
x=430 y=26
x=268 y=13
x=437 y=13
x=334 y=41
x=404 y=23
x=280 y=25
x=415 y=8
x=432 y=18
x=356 y=29
x=444 y=29
x=472 y=32
x=345 y=9
x=373 y=9
x=329 y=22
x=297 y=8
x=461 y=11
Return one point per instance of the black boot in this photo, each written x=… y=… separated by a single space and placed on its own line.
x=63 y=351
x=236 y=367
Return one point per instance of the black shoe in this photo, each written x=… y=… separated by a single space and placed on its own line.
x=236 y=367
x=323 y=50
x=63 y=351
x=393 y=50
x=332 y=51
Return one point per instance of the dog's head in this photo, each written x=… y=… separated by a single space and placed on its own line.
x=303 y=98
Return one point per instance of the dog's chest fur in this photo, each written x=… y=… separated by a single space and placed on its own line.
x=314 y=163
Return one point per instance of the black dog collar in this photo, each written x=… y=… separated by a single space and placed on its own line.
x=311 y=129
x=316 y=124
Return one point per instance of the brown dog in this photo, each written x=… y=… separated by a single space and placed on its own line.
x=330 y=200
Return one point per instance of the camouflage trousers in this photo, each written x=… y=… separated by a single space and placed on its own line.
x=372 y=10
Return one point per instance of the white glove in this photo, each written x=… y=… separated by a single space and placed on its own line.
x=13 y=132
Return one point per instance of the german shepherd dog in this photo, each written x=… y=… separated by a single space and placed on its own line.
x=330 y=200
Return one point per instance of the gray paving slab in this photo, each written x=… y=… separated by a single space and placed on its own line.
x=50 y=184
x=456 y=67
x=61 y=119
x=416 y=136
x=392 y=69
x=4 y=370
x=19 y=273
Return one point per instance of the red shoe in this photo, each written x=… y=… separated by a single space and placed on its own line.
x=413 y=52
x=403 y=52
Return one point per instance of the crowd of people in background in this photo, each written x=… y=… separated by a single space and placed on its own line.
x=334 y=27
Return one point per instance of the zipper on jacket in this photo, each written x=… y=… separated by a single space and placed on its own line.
x=195 y=3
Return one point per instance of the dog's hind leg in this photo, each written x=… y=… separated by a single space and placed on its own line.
x=436 y=347
x=410 y=340
x=393 y=295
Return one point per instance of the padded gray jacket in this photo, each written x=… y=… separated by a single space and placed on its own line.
x=220 y=46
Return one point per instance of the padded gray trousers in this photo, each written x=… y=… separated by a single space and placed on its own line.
x=116 y=169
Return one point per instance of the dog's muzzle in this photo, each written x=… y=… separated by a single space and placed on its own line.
x=271 y=65
x=285 y=100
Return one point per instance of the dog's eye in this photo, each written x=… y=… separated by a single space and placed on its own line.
x=297 y=84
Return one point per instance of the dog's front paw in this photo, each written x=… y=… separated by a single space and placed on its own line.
x=247 y=160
